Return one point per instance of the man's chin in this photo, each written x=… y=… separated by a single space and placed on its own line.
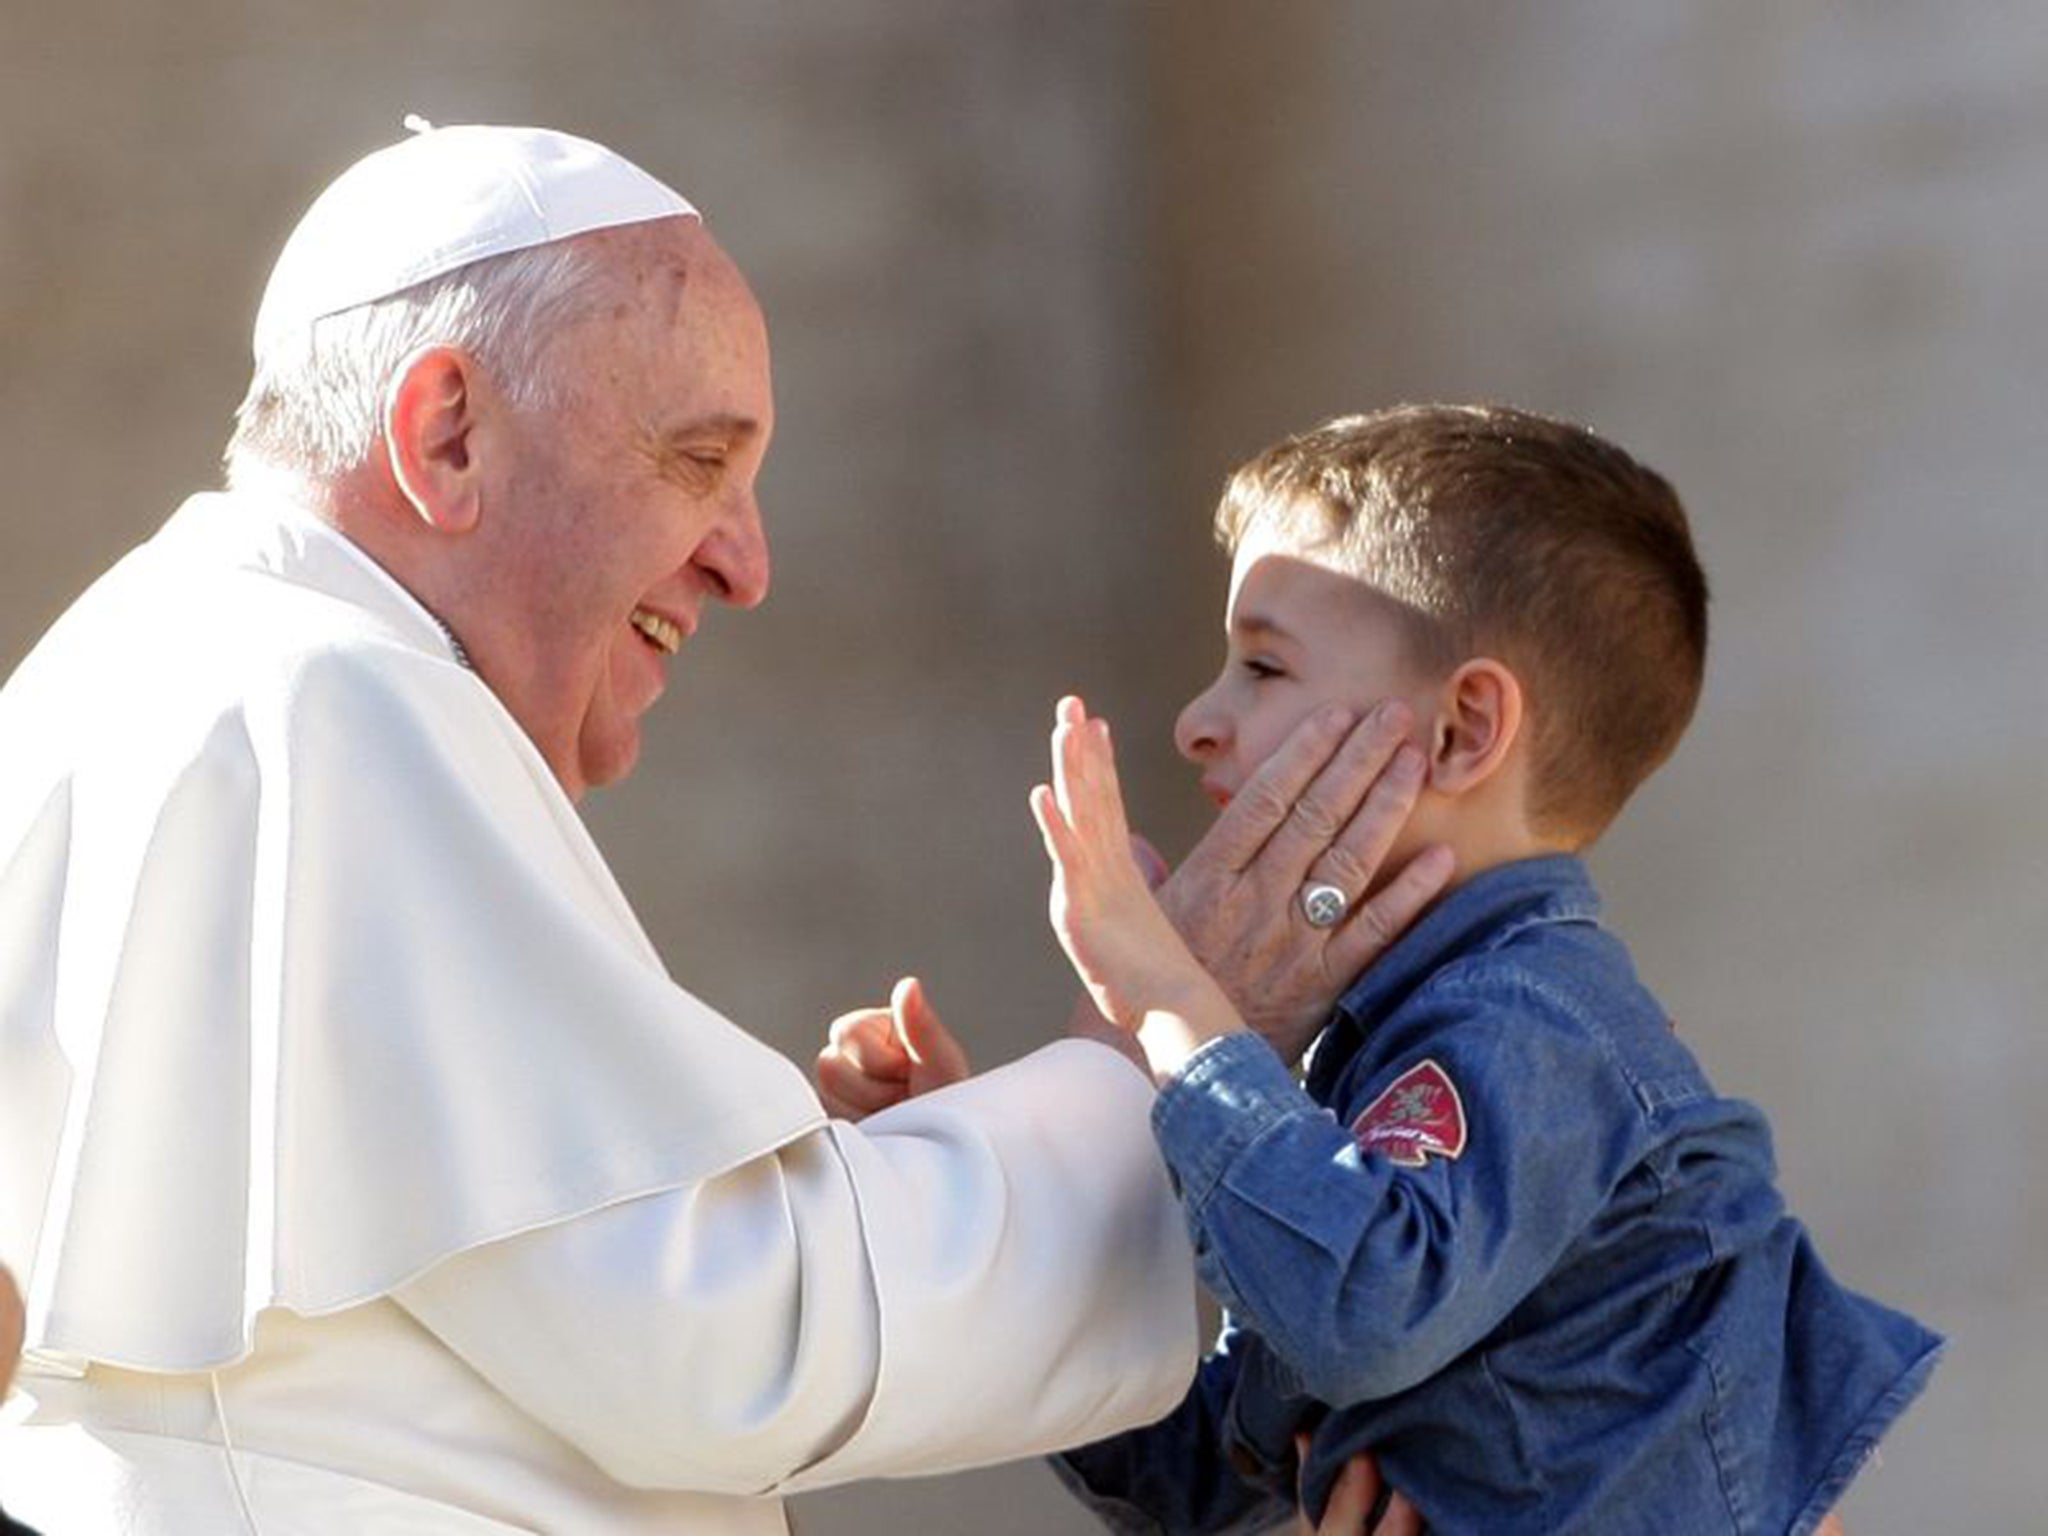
x=605 y=763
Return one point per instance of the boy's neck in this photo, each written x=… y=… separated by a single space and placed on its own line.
x=1483 y=830
x=1476 y=856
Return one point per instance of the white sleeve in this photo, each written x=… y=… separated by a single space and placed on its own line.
x=987 y=1272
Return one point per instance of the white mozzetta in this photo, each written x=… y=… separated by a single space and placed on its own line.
x=342 y=1094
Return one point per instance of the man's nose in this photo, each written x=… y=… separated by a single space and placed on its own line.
x=734 y=559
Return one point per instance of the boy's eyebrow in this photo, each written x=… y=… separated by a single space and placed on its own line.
x=1258 y=626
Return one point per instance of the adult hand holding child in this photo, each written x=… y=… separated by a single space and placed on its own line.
x=1324 y=809
x=1158 y=976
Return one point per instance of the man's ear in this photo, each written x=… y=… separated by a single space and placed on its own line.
x=430 y=417
x=1479 y=717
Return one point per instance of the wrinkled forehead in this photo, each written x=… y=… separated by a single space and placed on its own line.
x=676 y=303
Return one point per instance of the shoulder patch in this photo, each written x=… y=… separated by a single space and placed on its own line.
x=1420 y=1114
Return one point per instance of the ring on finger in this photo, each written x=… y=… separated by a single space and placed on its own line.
x=1323 y=904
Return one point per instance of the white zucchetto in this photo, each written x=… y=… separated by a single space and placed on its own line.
x=440 y=199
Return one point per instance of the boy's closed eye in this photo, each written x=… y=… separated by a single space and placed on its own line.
x=1261 y=669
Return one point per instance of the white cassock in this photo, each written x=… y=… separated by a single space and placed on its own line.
x=367 y=1172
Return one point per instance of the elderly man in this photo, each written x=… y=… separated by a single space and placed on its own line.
x=365 y=1169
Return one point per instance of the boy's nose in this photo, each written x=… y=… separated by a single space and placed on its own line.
x=1198 y=733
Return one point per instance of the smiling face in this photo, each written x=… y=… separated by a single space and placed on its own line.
x=611 y=521
x=1298 y=635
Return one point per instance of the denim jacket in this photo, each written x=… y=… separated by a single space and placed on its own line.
x=1511 y=1240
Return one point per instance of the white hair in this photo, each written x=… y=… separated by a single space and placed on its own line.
x=315 y=404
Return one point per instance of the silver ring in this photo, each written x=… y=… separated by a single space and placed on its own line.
x=1323 y=905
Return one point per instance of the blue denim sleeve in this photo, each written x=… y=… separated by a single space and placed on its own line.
x=1174 y=1478
x=1365 y=1277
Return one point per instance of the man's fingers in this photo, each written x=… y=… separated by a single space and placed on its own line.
x=1352 y=1497
x=1150 y=861
x=1401 y=1519
x=1327 y=803
x=1262 y=805
x=1375 y=924
x=1352 y=860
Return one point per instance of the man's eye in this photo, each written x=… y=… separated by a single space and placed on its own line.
x=696 y=469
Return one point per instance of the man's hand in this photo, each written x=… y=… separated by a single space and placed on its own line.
x=1352 y=1500
x=1325 y=807
x=875 y=1057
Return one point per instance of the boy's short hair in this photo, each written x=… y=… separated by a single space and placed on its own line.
x=1505 y=533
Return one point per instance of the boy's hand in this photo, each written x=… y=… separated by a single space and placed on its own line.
x=875 y=1057
x=1325 y=807
x=1128 y=955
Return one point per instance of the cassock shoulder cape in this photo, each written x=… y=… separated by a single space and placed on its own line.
x=310 y=976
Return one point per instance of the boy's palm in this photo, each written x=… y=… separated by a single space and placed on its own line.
x=1112 y=927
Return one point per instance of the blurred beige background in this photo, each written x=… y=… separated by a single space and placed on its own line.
x=1039 y=273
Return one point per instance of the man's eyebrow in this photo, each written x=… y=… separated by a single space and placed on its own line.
x=719 y=424
x=665 y=446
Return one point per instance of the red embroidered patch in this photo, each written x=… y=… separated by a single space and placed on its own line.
x=1419 y=1114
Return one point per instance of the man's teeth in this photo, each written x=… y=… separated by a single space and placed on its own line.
x=663 y=633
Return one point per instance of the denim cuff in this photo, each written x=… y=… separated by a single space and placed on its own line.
x=1229 y=1093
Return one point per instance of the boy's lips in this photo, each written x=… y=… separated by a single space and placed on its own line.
x=1217 y=793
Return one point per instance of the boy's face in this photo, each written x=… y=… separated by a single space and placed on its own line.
x=1299 y=635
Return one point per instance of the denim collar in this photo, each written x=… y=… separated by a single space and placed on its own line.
x=1488 y=909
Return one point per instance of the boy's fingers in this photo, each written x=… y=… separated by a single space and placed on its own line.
x=1063 y=769
x=1109 y=784
x=936 y=1057
x=850 y=1094
x=866 y=1041
x=1052 y=826
x=1262 y=805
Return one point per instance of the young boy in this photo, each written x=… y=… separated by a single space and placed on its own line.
x=1505 y=1236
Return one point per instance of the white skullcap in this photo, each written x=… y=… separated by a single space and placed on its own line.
x=441 y=199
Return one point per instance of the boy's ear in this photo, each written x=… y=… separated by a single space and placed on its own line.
x=430 y=420
x=1479 y=717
